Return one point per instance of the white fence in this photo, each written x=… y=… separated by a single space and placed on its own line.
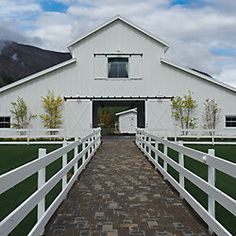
x=32 y=133
x=89 y=144
x=194 y=133
x=149 y=144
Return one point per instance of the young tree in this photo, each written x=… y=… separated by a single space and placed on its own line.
x=52 y=119
x=211 y=114
x=183 y=110
x=105 y=118
x=21 y=116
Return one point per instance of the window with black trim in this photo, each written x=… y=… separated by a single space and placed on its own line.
x=5 y=122
x=118 y=67
x=230 y=121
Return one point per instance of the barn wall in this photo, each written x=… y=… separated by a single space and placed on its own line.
x=157 y=79
x=118 y=37
x=65 y=81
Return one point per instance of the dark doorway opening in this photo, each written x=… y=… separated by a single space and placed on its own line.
x=129 y=104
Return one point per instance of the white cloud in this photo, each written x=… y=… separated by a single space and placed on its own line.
x=228 y=76
x=18 y=8
x=191 y=32
x=54 y=28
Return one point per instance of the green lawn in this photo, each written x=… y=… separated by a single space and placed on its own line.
x=13 y=156
x=224 y=182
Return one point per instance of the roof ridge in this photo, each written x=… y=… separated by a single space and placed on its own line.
x=123 y=19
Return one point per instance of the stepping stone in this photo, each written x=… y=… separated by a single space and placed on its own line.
x=113 y=232
x=137 y=233
x=99 y=215
x=113 y=205
x=107 y=227
x=152 y=223
x=143 y=198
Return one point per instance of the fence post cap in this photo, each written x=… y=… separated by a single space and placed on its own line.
x=211 y=152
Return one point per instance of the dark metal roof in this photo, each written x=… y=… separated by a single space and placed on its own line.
x=201 y=72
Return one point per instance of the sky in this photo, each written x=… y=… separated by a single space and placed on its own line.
x=201 y=33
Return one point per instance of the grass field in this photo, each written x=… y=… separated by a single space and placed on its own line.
x=13 y=156
x=224 y=182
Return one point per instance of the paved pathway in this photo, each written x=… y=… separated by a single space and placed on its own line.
x=121 y=194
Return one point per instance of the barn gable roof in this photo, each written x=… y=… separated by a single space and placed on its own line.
x=122 y=19
x=38 y=74
x=199 y=75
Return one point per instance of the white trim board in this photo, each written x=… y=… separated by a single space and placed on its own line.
x=199 y=75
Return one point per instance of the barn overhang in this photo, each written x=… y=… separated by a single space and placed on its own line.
x=118 y=98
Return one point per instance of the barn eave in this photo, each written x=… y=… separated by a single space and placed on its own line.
x=199 y=75
x=38 y=74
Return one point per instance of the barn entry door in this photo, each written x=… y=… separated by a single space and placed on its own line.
x=139 y=104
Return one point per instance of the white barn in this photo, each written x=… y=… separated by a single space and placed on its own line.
x=127 y=121
x=118 y=64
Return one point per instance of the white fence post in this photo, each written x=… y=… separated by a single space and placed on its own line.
x=41 y=182
x=75 y=155
x=28 y=136
x=166 y=153
x=149 y=141
x=156 y=154
x=181 y=162
x=97 y=143
x=64 y=163
x=84 y=155
x=211 y=181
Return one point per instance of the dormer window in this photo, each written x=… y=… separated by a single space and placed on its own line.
x=112 y=66
x=118 y=67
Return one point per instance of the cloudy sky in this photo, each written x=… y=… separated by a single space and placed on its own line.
x=201 y=33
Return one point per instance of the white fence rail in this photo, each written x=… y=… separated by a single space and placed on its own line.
x=149 y=144
x=89 y=144
x=194 y=133
x=32 y=133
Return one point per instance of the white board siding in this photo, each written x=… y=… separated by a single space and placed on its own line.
x=135 y=67
x=100 y=67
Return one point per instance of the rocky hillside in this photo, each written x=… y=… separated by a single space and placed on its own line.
x=18 y=61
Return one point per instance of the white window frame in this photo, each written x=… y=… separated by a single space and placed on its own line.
x=232 y=114
x=117 y=78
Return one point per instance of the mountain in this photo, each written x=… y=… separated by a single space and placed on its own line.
x=18 y=60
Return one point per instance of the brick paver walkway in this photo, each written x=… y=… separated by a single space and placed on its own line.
x=120 y=194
